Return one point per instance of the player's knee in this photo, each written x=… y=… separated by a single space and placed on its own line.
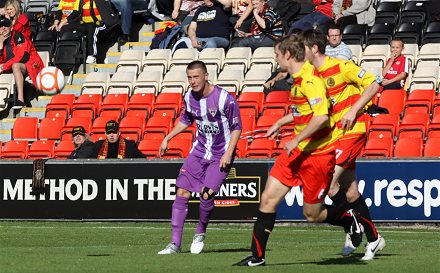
x=267 y=203
x=311 y=217
x=183 y=193
x=207 y=193
x=352 y=194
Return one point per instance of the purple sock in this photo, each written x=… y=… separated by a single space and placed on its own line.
x=205 y=209
x=178 y=216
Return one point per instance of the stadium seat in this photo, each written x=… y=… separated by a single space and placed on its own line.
x=46 y=41
x=411 y=51
x=15 y=150
x=374 y=67
x=96 y=83
x=256 y=76
x=434 y=127
x=158 y=125
x=41 y=149
x=253 y=100
x=158 y=57
x=409 y=32
x=240 y=150
x=426 y=76
x=25 y=128
x=414 y=11
x=374 y=53
x=384 y=126
x=356 y=52
x=149 y=81
x=175 y=81
x=231 y=80
x=50 y=128
x=68 y=55
x=264 y=55
x=184 y=56
x=63 y=149
x=378 y=147
x=140 y=104
x=277 y=100
x=133 y=59
x=189 y=133
x=264 y=123
x=7 y=85
x=239 y=57
x=413 y=126
x=178 y=148
x=132 y=128
x=60 y=106
x=150 y=147
x=276 y=152
x=122 y=82
x=213 y=57
x=168 y=103
x=85 y=122
x=97 y=131
x=380 y=34
x=248 y=125
x=45 y=57
x=260 y=148
x=431 y=33
x=114 y=105
x=429 y=52
x=408 y=147
x=420 y=101
x=432 y=147
x=388 y=12
x=354 y=34
x=87 y=105
x=393 y=100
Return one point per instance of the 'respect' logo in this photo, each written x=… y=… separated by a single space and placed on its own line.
x=235 y=190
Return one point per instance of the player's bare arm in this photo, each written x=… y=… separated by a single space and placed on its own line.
x=176 y=130
x=227 y=156
x=273 y=131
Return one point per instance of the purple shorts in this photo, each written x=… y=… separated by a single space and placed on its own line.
x=197 y=173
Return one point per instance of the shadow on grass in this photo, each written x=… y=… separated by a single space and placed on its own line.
x=229 y=250
x=354 y=259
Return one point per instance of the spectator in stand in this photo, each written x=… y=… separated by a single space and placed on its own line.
x=125 y=7
x=20 y=22
x=114 y=146
x=18 y=54
x=84 y=147
x=335 y=47
x=188 y=7
x=210 y=25
x=2 y=7
x=265 y=29
x=396 y=70
x=322 y=15
x=359 y=12
x=69 y=18
x=241 y=17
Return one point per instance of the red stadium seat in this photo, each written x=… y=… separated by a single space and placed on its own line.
x=252 y=100
x=419 y=101
x=188 y=133
x=87 y=105
x=241 y=148
x=178 y=148
x=140 y=104
x=15 y=150
x=378 y=147
x=383 y=126
x=50 y=128
x=413 y=126
x=159 y=125
x=436 y=106
x=261 y=148
x=276 y=152
x=393 y=100
x=41 y=149
x=132 y=128
x=169 y=103
x=150 y=147
x=408 y=147
x=434 y=127
x=63 y=149
x=432 y=147
x=114 y=105
x=66 y=133
x=97 y=131
x=264 y=123
x=277 y=100
x=248 y=125
x=25 y=128
x=60 y=106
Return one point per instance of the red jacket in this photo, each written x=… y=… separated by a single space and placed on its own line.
x=23 y=25
x=24 y=52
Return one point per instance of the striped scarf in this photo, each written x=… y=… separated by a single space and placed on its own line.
x=103 y=152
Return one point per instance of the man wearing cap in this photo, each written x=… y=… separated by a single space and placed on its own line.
x=84 y=147
x=18 y=54
x=114 y=146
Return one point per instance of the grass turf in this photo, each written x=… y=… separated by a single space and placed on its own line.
x=131 y=247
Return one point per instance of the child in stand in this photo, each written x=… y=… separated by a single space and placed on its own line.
x=397 y=67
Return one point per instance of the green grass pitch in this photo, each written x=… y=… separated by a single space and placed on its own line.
x=131 y=247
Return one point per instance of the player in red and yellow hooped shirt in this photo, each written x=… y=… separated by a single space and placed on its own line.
x=350 y=89
x=309 y=159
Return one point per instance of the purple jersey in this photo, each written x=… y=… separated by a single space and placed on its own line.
x=216 y=116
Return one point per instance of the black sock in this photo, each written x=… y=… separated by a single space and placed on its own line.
x=262 y=229
x=340 y=200
x=362 y=209
x=338 y=217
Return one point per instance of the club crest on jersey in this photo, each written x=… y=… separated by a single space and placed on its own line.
x=330 y=82
x=361 y=73
x=212 y=111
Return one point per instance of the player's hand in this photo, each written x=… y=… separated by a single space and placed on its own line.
x=291 y=145
x=273 y=131
x=225 y=161
x=348 y=120
x=163 y=147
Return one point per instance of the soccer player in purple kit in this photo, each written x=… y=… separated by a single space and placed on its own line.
x=218 y=121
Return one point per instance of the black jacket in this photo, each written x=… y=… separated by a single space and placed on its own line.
x=131 y=149
x=85 y=150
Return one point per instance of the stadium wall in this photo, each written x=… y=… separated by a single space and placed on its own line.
x=395 y=190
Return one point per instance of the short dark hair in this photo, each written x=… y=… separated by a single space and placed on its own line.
x=196 y=65
x=335 y=27
x=315 y=37
x=294 y=45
